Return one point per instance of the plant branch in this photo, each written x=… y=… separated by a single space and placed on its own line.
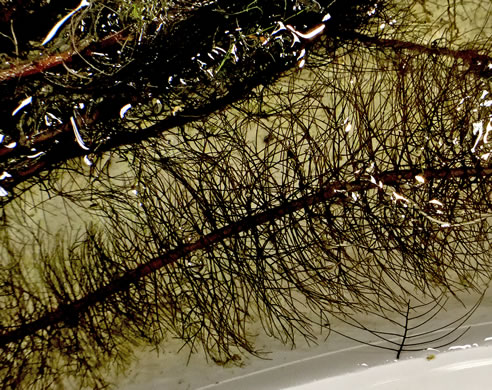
x=122 y=283
x=480 y=63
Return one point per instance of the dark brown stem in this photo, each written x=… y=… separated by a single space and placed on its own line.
x=331 y=190
x=69 y=149
x=404 y=336
x=477 y=61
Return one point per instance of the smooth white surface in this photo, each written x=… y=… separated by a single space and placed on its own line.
x=467 y=362
x=337 y=363
x=465 y=369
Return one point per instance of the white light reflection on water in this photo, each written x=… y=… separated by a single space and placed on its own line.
x=372 y=11
x=22 y=104
x=487 y=131
x=50 y=119
x=459 y=347
x=78 y=137
x=87 y=161
x=280 y=27
x=435 y=201
x=373 y=181
x=310 y=34
x=301 y=54
x=395 y=196
x=406 y=202
x=477 y=129
x=234 y=53
x=348 y=125
x=5 y=175
x=218 y=49
x=432 y=349
x=124 y=109
x=444 y=224
x=35 y=155
x=56 y=27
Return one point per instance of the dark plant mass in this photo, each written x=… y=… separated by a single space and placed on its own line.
x=184 y=169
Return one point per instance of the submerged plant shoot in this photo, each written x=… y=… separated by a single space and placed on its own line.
x=185 y=169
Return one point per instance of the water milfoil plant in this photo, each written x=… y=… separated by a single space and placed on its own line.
x=188 y=169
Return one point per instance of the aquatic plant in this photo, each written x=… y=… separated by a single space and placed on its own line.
x=183 y=169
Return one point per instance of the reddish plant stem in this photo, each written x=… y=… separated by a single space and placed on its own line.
x=29 y=168
x=331 y=190
x=38 y=66
x=35 y=67
x=479 y=62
